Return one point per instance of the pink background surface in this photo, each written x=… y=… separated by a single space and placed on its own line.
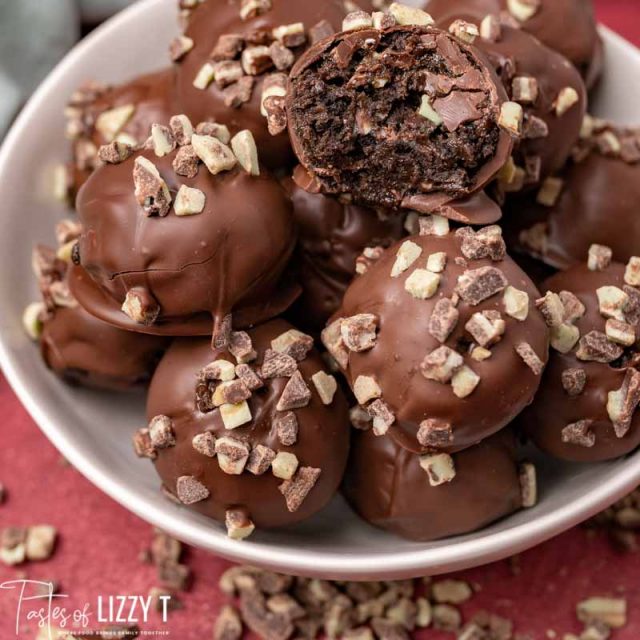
x=99 y=541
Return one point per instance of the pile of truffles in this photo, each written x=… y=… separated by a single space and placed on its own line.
x=315 y=238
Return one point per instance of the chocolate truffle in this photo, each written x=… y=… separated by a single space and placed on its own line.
x=553 y=97
x=336 y=241
x=433 y=496
x=593 y=200
x=98 y=114
x=170 y=241
x=433 y=335
x=235 y=54
x=256 y=435
x=403 y=116
x=78 y=347
x=566 y=26
x=586 y=407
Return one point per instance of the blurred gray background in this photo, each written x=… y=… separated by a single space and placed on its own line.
x=34 y=36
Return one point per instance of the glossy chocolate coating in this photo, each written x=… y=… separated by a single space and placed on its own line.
x=386 y=485
x=323 y=433
x=519 y=54
x=92 y=353
x=598 y=204
x=566 y=26
x=80 y=348
x=332 y=235
x=403 y=341
x=214 y=18
x=152 y=95
x=228 y=258
x=374 y=144
x=553 y=409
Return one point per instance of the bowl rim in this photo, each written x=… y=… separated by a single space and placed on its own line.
x=461 y=554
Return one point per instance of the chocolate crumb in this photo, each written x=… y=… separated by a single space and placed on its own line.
x=205 y=443
x=359 y=332
x=326 y=386
x=222 y=332
x=238 y=523
x=475 y=286
x=141 y=306
x=296 y=490
x=179 y=47
x=278 y=365
x=596 y=347
x=435 y=433
x=276 y=114
x=228 y=625
x=443 y=320
x=622 y=404
x=573 y=308
x=441 y=364
x=161 y=432
x=282 y=57
x=360 y=418
x=293 y=343
x=295 y=395
x=528 y=485
x=574 y=381
x=579 y=433
x=190 y=490
x=260 y=620
x=382 y=415
x=185 y=162
x=142 y=444
x=552 y=309
x=229 y=45
x=260 y=460
x=115 y=152
x=250 y=378
x=632 y=305
x=233 y=455
x=530 y=357
x=286 y=428
x=40 y=542
x=486 y=328
x=239 y=93
x=599 y=257
x=331 y=338
x=231 y=392
x=164 y=548
x=151 y=191
x=487 y=243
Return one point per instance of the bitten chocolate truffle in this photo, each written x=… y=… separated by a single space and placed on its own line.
x=98 y=114
x=403 y=116
x=552 y=95
x=234 y=58
x=76 y=346
x=433 y=336
x=566 y=26
x=593 y=200
x=189 y=229
x=253 y=435
x=586 y=407
x=433 y=496
x=337 y=242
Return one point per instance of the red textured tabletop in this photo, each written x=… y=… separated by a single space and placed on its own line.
x=100 y=542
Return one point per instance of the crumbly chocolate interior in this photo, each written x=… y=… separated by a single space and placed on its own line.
x=356 y=114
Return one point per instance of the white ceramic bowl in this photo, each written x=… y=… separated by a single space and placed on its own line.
x=94 y=432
